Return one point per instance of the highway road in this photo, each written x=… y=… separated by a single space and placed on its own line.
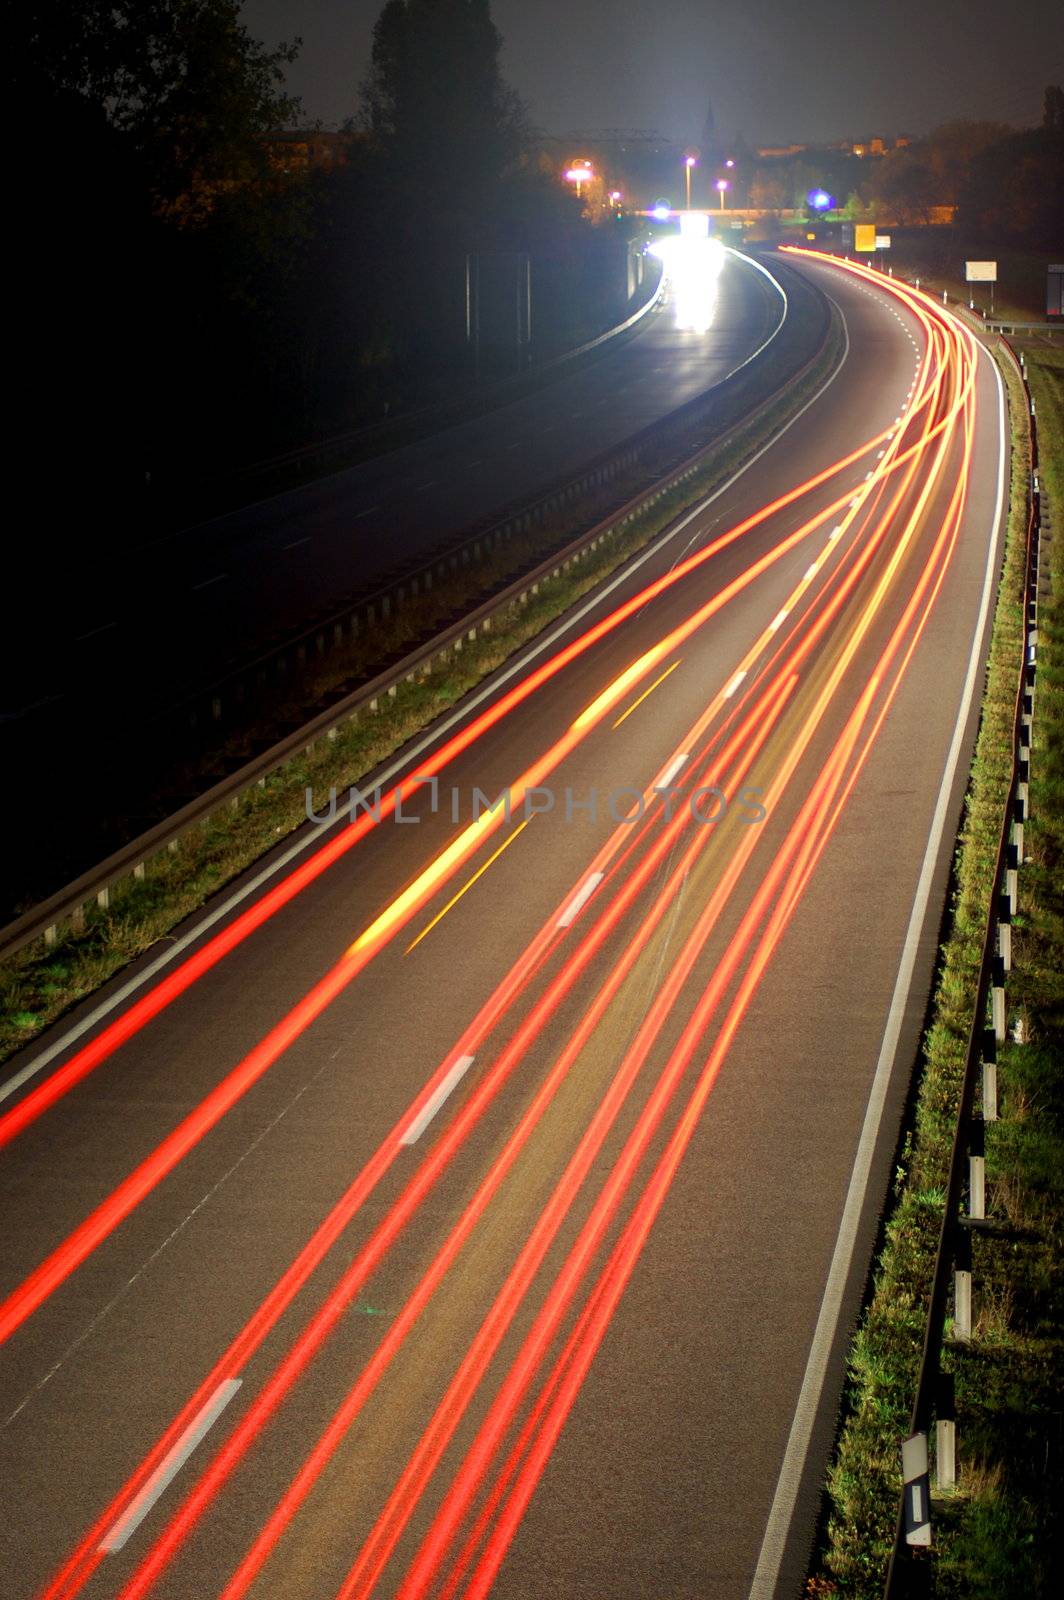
x=479 y=1203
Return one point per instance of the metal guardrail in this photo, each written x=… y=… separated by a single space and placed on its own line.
x=1000 y=324
x=69 y=905
x=953 y=1262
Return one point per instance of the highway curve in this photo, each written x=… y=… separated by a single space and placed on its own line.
x=479 y=1205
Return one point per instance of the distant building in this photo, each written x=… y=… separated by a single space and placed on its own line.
x=779 y=152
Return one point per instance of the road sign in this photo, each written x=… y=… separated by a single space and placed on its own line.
x=882 y=241
x=864 y=237
x=980 y=271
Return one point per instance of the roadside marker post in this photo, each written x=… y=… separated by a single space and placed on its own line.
x=997 y=997
x=989 y=1076
x=977 y=1170
x=1004 y=931
x=962 y=1288
x=945 y=1433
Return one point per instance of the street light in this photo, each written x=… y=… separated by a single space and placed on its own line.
x=722 y=187
x=689 y=162
x=579 y=173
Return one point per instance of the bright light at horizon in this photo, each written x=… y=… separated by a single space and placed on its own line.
x=692 y=264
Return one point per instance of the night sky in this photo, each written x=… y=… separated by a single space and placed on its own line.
x=775 y=70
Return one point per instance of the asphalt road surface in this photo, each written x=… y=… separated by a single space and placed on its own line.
x=489 y=1216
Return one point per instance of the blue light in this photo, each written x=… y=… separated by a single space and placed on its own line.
x=820 y=200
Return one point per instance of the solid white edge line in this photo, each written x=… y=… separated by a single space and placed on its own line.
x=435 y=1100
x=734 y=684
x=778 y=1526
x=515 y=668
x=580 y=899
x=169 y=1467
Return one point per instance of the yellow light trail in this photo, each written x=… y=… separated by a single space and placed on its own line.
x=637 y=703
x=453 y=901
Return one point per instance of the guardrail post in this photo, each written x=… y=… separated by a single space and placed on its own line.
x=1019 y=816
x=917 y=1490
x=962 y=1287
x=945 y=1433
x=976 y=1170
x=989 y=1075
x=1012 y=878
x=997 y=997
x=1004 y=932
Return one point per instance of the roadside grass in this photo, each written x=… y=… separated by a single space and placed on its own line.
x=37 y=985
x=998 y=1533
x=938 y=257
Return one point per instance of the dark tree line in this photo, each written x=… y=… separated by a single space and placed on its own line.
x=193 y=307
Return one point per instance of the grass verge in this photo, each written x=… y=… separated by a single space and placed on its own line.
x=38 y=985
x=996 y=1533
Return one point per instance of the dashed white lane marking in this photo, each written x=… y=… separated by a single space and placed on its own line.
x=105 y=627
x=779 y=619
x=734 y=684
x=427 y=485
x=670 y=771
x=367 y=513
x=296 y=543
x=170 y=1466
x=835 y=533
x=580 y=899
x=219 y=577
x=446 y=1086
x=810 y=572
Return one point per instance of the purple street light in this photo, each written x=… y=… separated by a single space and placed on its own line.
x=722 y=188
